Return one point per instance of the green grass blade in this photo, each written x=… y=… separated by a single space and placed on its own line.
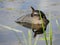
x=43 y=30
x=29 y=37
x=25 y=40
x=50 y=31
x=50 y=34
x=36 y=39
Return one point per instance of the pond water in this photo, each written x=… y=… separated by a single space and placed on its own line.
x=10 y=10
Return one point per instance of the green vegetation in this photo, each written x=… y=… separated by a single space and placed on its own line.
x=50 y=31
x=43 y=30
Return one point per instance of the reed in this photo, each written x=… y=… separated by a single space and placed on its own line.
x=29 y=38
x=50 y=31
x=43 y=30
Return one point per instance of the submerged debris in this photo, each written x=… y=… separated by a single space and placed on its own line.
x=34 y=21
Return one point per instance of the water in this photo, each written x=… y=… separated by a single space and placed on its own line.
x=11 y=10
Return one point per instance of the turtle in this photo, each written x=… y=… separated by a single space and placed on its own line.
x=34 y=21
